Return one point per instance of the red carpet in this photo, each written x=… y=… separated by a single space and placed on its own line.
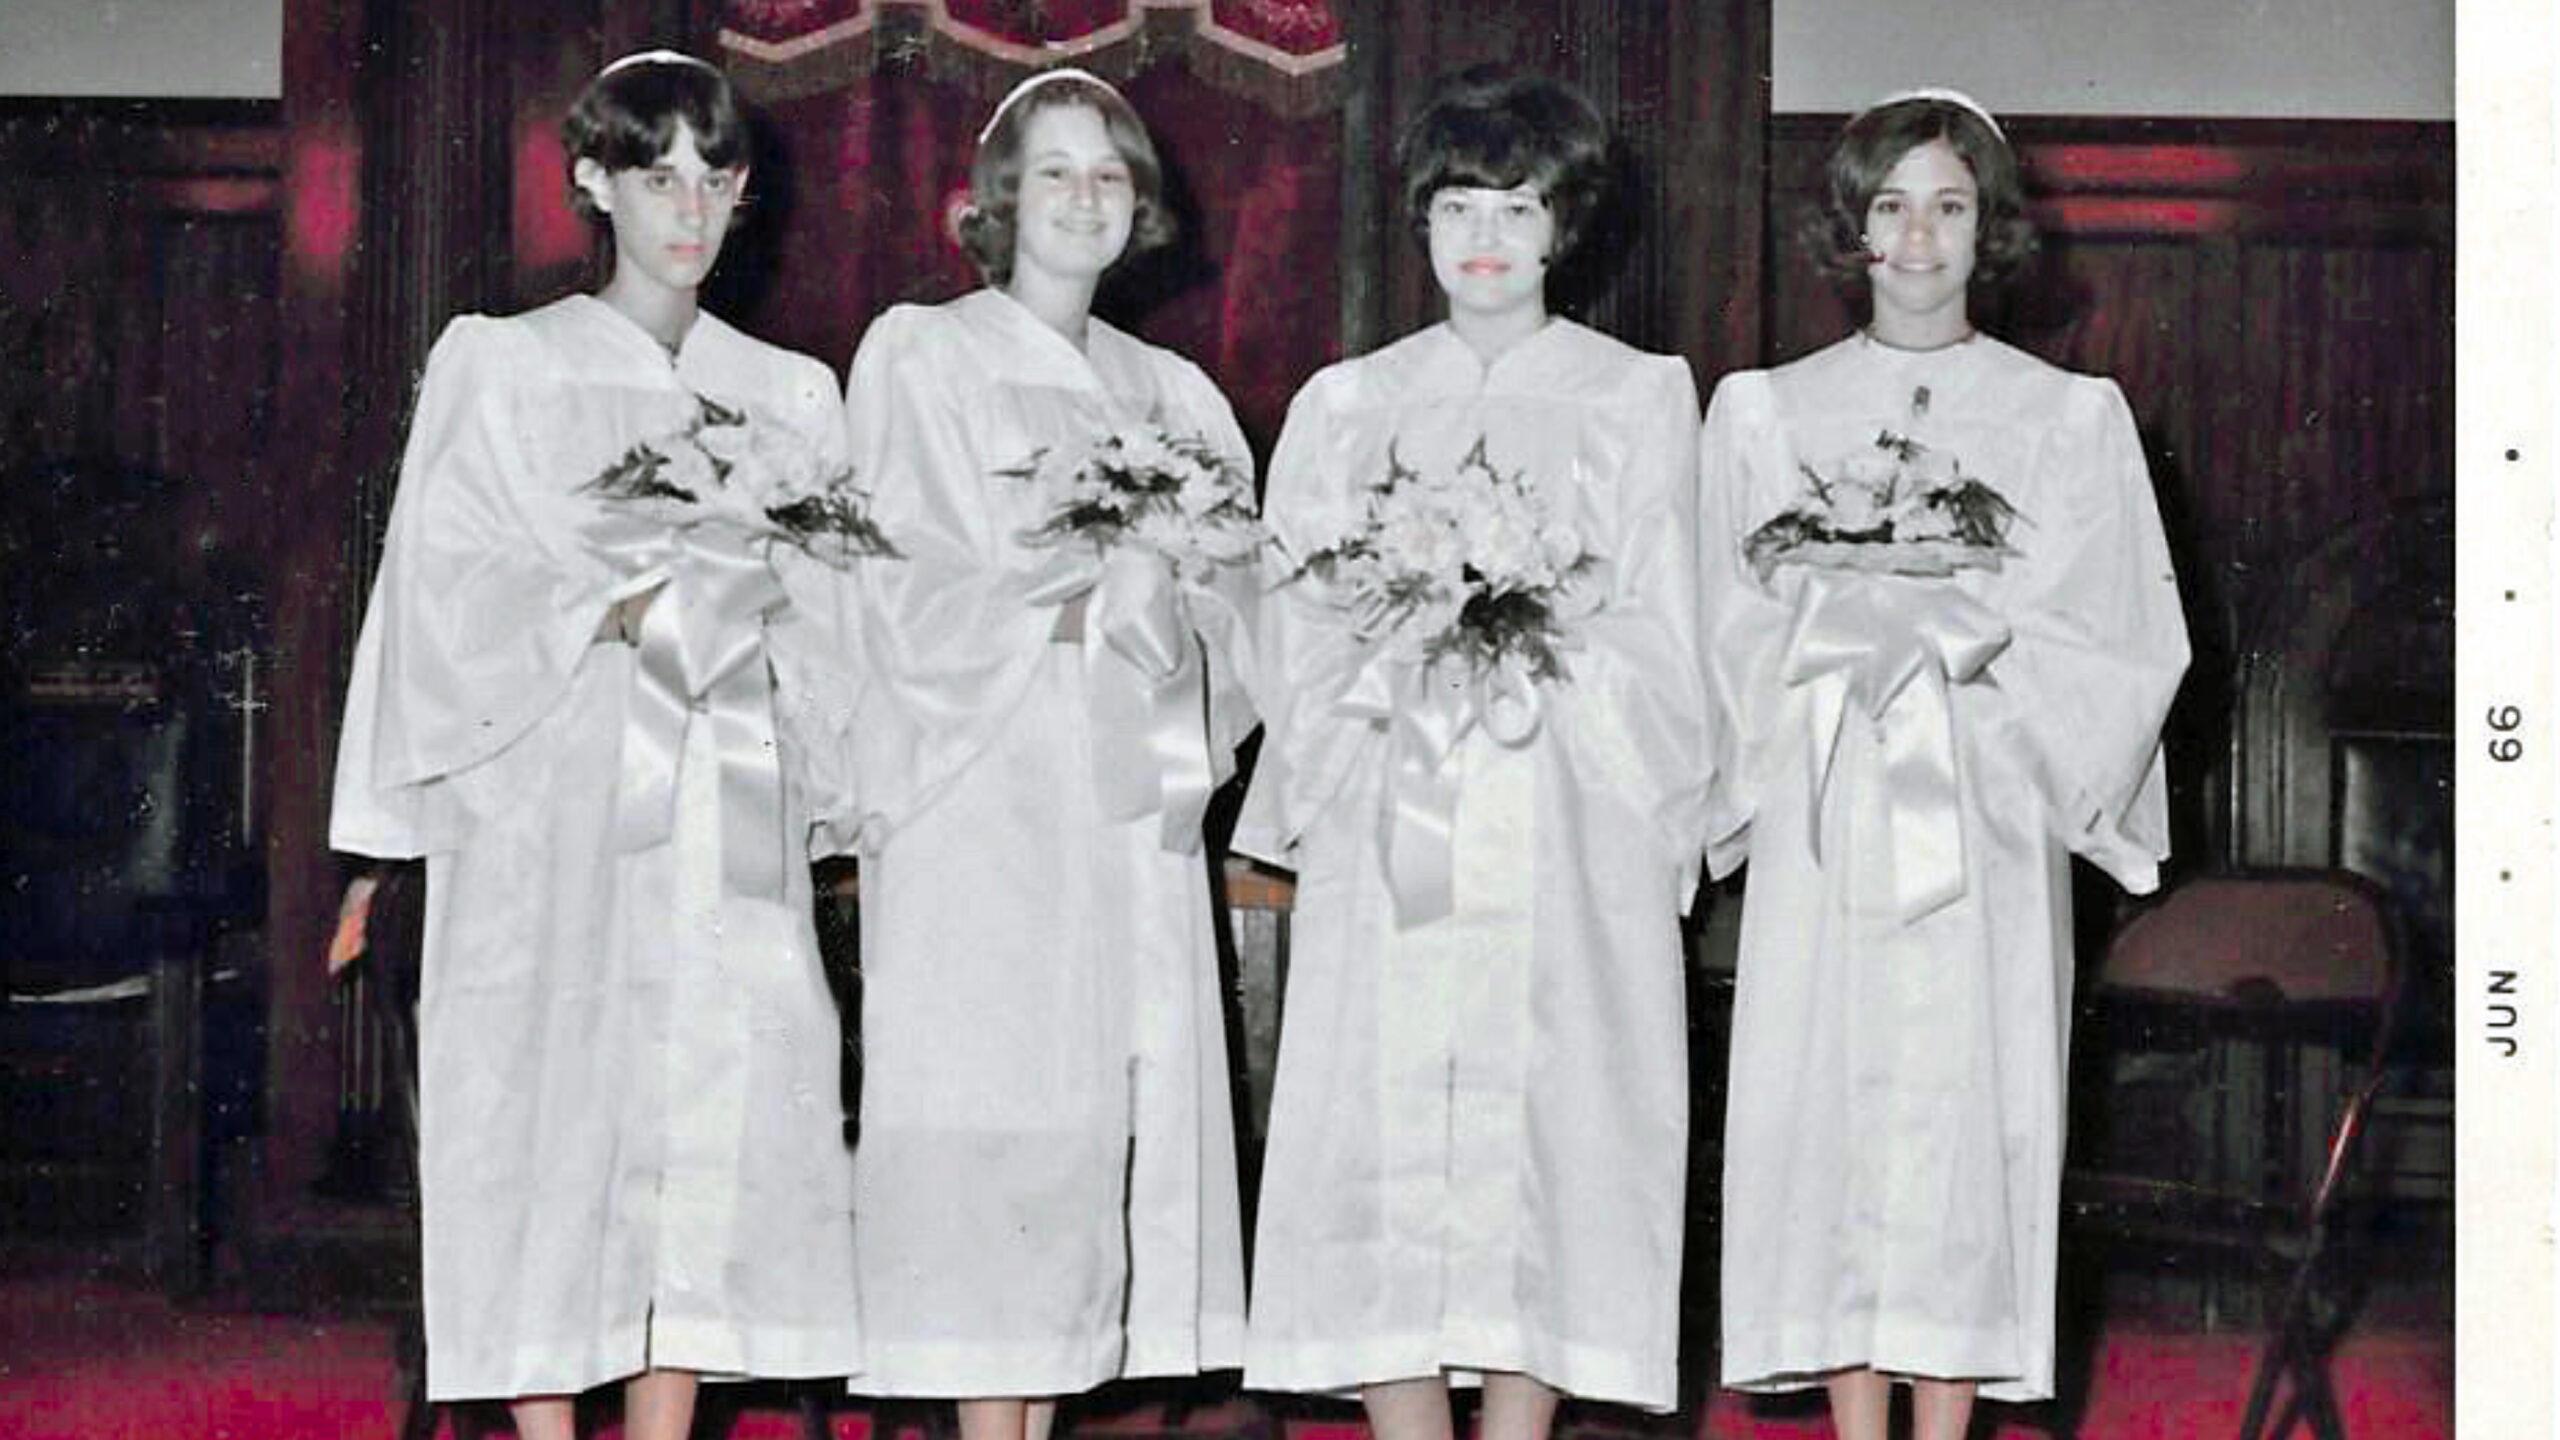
x=87 y=1360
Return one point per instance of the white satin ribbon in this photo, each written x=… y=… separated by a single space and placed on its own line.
x=1148 y=701
x=701 y=651
x=1428 y=710
x=1894 y=648
x=1507 y=701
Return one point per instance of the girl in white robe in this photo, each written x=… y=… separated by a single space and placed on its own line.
x=631 y=1151
x=1922 y=753
x=1046 y=1194
x=1479 y=1120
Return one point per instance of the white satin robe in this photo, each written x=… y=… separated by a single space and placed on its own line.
x=1047 y=1174
x=631 y=1138
x=1894 y=1129
x=1479 y=1123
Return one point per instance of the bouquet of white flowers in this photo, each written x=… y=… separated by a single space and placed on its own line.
x=1897 y=508
x=762 y=478
x=1175 y=495
x=1470 y=565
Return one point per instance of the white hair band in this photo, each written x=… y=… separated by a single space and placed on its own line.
x=657 y=57
x=1940 y=93
x=1034 y=82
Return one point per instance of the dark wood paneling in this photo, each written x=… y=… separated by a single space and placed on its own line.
x=2275 y=297
x=138 y=307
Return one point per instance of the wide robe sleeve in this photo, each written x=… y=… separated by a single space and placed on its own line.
x=1639 y=717
x=1224 y=612
x=482 y=607
x=954 y=633
x=815 y=641
x=1305 y=656
x=1743 y=628
x=2099 y=643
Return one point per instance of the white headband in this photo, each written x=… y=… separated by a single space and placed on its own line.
x=1034 y=82
x=656 y=57
x=1940 y=93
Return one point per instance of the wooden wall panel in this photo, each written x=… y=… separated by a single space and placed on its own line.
x=138 y=310
x=2276 y=300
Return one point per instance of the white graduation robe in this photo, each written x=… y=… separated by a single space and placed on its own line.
x=631 y=1145
x=1479 y=1123
x=1046 y=1192
x=1894 y=1129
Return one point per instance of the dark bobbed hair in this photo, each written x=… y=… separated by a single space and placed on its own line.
x=1868 y=149
x=1492 y=128
x=626 y=119
x=995 y=175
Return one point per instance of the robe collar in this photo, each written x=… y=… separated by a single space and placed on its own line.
x=1036 y=352
x=1951 y=374
x=706 y=339
x=1542 y=363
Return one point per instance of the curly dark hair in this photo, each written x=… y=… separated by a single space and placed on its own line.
x=1868 y=149
x=995 y=175
x=1493 y=128
x=627 y=117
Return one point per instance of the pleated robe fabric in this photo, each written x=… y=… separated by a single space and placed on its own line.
x=1047 y=1174
x=631 y=1138
x=1478 y=1129
x=1894 y=1127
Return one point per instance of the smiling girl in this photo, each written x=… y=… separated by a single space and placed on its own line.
x=1047 y=1182
x=1479 y=1124
x=632 y=1163
x=1942 y=607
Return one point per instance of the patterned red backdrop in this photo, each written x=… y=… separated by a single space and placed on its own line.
x=874 y=107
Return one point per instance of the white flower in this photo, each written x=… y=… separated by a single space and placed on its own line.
x=689 y=468
x=1924 y=521
x=1933 y=469
x=1856 y=503
x=725 y=443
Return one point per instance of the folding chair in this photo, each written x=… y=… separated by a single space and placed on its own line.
x=2282 y=961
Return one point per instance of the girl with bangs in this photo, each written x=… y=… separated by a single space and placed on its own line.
x=1479 y=1122
x=1046 y=1193
x=631 y=1157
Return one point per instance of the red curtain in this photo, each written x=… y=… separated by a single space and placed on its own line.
x=874 y=107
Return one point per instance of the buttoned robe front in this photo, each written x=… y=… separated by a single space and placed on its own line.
x=1894 y=1127
x=1479 y=1120
x=631 y=1143
x=1047 y=1174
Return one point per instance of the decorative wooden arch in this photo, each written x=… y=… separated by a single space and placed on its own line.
x=1284 y=55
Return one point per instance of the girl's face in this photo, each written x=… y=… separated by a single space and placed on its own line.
x=1490 y=248
x=670 y=217
x=1077 y=200
x=1921 y=223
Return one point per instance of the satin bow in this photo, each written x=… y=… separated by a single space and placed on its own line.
x=701 y=651
x=1428 y=710
x=1149 y=705
x=1893 y=647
